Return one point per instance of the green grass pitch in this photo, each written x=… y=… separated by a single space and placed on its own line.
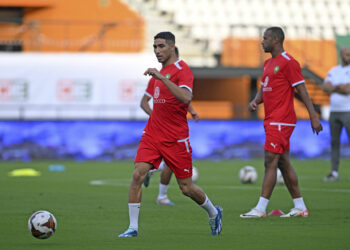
x=91 y=216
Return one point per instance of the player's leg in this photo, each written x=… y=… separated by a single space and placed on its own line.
x=269 y=182
x=268 y=185
x=273 y=148
x=289 y=175
x=191 y=190
x=135 y=195
x=151 y=172
x=165 y=178
x=140 y=172
x=178 y=157
x=197 y=194
x=346 y=123
x=291 y=180
x=335 y=126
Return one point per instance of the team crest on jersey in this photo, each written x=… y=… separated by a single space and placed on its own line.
x=156 y=92
x=167 y=76
x=276 y=69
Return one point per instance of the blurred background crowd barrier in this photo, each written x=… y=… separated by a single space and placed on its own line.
x=118 y=140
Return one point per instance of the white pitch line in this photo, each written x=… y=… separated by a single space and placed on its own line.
x=126 y=183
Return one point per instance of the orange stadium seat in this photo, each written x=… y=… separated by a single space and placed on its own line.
x=65 y=25
x=318 y=55
x=213 y=109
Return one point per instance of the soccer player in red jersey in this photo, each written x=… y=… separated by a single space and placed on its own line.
x=281 y=75
x=166 y=172
x=166 y=134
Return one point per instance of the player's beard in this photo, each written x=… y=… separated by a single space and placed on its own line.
x=346 y=62
x=267 y=49
x=165 y=59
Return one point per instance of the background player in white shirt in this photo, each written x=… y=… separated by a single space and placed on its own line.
x=337 y=84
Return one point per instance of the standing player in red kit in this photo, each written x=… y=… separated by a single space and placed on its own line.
x=166 y=172
x=281 y=75
x=166 y=134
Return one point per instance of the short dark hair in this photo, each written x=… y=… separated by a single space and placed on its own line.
x=167 y=36
x=177 y=52
x=277 y=32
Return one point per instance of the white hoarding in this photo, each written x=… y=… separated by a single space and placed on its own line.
x=73 y=86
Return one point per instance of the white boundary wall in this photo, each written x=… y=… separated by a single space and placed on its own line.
x=73 y=86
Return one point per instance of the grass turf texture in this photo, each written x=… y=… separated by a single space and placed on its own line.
x=91 y=216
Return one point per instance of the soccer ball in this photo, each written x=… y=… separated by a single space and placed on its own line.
x=248 y=174
x=42 y=224
x=279 y=179
x=195 y=174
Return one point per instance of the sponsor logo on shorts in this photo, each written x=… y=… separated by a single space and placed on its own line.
x=273 y=145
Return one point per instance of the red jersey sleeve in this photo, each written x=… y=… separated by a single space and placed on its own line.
x=185 y=78
x=293 y=73
x=150 y=87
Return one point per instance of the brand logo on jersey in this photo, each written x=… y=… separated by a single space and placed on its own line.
x=276 y=69
x=265 y=88
x=156 y=92
x=273 y=145
x=156 y=95
x=167 y=76
x=266 y=81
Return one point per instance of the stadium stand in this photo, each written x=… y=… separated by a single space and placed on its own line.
x=215 y=21
x=70 y=26
x=232 y=29
x=210 y=34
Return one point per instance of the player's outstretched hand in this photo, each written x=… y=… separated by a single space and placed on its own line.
x=154 y=73
x=316 y=125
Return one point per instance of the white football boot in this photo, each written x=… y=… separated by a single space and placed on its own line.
x=165 y=202
x=295 y=212
x=254 y=213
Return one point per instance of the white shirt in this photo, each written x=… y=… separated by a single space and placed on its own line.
x=339 y=75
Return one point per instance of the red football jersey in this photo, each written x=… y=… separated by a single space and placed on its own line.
x=168 y=121
x=280 y=75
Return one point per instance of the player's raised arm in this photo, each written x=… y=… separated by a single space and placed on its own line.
x=315 y=121
x=182 y=94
